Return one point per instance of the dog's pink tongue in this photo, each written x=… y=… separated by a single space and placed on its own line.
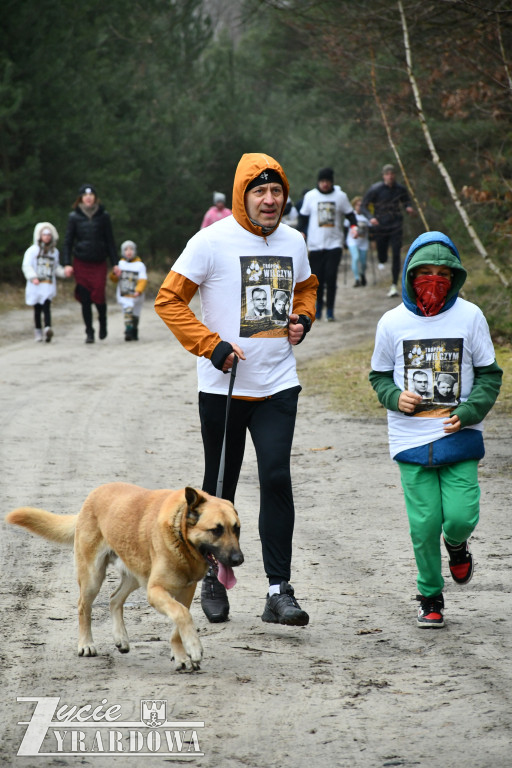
x=226 y=576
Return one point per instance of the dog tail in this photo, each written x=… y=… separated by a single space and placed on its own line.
x=58 y=528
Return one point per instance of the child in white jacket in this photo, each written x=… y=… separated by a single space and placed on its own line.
x=41 y=267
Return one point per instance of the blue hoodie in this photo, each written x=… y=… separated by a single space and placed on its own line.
x=432 y=248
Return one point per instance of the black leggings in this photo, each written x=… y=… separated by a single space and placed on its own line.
x=45 y=309
x=84 y=297
x=271 y=423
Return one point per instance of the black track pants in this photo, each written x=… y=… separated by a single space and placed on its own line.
x=384 y=239
x=324 y=264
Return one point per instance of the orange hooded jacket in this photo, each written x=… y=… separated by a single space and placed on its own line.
x=177 y=291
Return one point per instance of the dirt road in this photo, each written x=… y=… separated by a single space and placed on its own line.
x=360 y=687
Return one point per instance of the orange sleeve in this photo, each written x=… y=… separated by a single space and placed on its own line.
x=141 y=285
x=304 y=297
x=171 y=304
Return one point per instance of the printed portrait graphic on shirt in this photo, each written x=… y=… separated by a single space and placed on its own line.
x=128 y=282
x=280 y=306
x=432 y=369
x=362 y=230
x=326 y=214
x=44 y=268
x=266 y=295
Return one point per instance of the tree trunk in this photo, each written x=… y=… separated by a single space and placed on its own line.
x=437 y=160
x=392 y=143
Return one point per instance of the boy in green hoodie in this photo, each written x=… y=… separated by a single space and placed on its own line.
x=436 y=439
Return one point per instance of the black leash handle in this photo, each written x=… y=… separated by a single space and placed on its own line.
x=222 y=464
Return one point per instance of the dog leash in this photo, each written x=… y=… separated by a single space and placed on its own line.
x=220 y=478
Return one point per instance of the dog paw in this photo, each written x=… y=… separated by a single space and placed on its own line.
x=184 y=662
x=87 y=650
x=123 y=646
x=194 y=651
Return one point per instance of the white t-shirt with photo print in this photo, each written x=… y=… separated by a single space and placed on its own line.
x=326 y=216
x=229 y=263
x=452 y=342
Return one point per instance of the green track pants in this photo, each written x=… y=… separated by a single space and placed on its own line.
x=439 y=500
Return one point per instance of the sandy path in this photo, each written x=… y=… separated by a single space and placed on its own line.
x=361 y=686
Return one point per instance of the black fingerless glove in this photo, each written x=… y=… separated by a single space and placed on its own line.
x=305 y=321
x=219 y=354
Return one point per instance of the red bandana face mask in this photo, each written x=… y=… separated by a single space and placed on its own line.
x=431 y=293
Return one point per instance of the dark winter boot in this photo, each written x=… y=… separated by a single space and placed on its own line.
x=128 y=325
x=135 y=328
x=102 y=316
x=87 y=316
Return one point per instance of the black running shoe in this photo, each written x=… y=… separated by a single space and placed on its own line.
x=430 y=612
x=283 y=608
x=461 y=562
x=214 y=598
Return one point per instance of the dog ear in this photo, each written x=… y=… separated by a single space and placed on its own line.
x=193 y=499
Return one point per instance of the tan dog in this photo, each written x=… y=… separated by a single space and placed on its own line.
x=161 y=540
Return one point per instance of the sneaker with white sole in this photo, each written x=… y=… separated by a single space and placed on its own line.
x=48 y=334
x=283 y=608
x=430 y=612
x=461 y=562
x=393 y=291
x=38 y=334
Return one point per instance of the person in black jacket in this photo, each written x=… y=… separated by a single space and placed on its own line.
x=89 y=241
x=386 y=199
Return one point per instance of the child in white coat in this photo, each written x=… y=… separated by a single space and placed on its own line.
x=41 y=267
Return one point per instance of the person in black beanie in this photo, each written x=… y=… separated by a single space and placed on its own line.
x=88 y=244
x=321 y=222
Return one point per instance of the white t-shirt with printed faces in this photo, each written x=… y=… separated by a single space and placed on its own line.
x=131 y=273
x=246 y=283
x=435 y=357
x=326 y=215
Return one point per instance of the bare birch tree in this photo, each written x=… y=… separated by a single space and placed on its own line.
x=435 y=156
x=392 y=144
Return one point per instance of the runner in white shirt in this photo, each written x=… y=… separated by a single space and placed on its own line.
x=227 y=262
x=322 y=215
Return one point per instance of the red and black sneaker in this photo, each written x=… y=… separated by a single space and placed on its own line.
x=461 y=562
x=430 y=612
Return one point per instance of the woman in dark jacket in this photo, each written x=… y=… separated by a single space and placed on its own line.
x=89 y=241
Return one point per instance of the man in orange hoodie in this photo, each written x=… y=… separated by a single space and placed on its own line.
x=226 y=262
